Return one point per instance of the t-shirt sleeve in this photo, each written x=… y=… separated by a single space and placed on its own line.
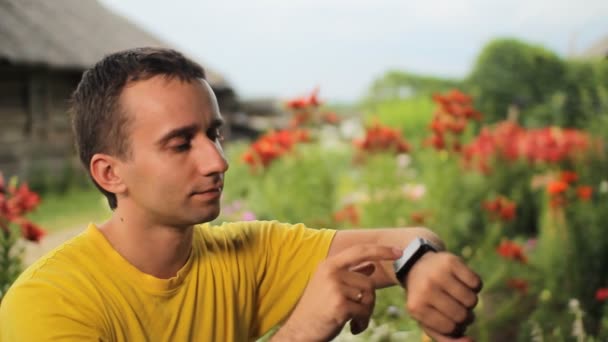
x=33 y=311
x=288 y=256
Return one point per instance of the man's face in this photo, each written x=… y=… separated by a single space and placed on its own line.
x=175 y=172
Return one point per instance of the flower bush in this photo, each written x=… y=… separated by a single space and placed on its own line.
x=525 y=207
x=16 y=201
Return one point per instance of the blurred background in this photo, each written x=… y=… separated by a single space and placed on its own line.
x=483 y=120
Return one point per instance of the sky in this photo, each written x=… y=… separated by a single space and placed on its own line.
x=286 y=48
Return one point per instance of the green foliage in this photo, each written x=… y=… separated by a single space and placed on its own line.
x=11 y=263
x=411 y=116
x=509 y=71
x=582 y=97
x=301 y=187
x=396 y=84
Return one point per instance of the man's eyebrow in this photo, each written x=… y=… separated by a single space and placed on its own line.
x=178 y=132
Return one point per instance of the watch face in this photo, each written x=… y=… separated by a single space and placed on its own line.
x=408 y=252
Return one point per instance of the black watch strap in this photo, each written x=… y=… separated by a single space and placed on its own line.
x=411 y=254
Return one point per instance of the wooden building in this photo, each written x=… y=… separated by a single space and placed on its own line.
x=44 y=48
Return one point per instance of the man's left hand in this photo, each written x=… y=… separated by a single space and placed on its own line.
x=441 y=294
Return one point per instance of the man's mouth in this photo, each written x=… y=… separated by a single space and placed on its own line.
x=210 y=192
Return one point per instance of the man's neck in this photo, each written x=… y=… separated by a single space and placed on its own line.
x=154 y=249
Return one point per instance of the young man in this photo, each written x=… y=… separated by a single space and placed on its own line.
x=147 y=130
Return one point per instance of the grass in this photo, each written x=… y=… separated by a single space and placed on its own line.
x=69 y=210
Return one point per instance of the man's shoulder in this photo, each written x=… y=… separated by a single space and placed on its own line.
x=62 y=269
x=57 y=290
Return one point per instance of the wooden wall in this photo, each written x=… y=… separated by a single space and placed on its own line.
x=34 y=124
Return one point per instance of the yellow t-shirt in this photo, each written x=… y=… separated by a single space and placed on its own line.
x=241 y=279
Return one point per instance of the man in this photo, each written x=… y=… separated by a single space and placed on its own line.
x=147 y=130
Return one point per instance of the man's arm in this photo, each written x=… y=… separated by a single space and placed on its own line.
x=442 y=290
x=383 y=275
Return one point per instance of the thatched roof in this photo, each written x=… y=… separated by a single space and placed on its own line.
x=69 y=34
x=598 y=50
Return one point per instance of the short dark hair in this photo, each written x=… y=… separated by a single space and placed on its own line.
x=99 y=123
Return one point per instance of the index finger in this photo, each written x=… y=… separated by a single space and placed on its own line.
x=366 y=252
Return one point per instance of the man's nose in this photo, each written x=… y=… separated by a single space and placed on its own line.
x=210 y=158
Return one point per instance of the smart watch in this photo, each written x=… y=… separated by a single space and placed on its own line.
x=412 y=253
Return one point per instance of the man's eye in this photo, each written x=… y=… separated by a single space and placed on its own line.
x=182 y=147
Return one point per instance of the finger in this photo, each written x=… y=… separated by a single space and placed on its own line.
x=466 y=275
x=459 y=291
x=367 y=268
x=470 y=318
x=449 y=307
x=438 y=337
x=352 y=309
x=357 y=280
x=362 y=316
x=357 y=295
x=358 y=325
x=360 y=322
x=434 y=319
x=355 y=255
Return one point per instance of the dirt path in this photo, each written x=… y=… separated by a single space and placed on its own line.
x=33 y=251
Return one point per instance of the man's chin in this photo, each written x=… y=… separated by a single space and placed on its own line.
x=207 y=216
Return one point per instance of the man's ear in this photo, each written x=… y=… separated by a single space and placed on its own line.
x=105 y=170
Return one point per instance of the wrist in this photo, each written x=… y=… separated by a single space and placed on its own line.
x=417 y=249
x=289 y=332
x=415 y=267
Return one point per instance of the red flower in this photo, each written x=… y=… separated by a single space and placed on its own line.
x=331 y=118
x=348 y=214
x=299 y=119
x=601 y=294
x=457 y=127
x=31 y=231
x=28 y=200
x=511 y=142
x=501 y=208
x=419 y=217
x=584 y=192
x=437 y=126
x=557 y=187
x=380 y=138
x=518 y=284
x=437 y=142
x=459 y=97
x=507 y=212
x=454 y=110
x=306 y=101
x=273 y=145
x=569 y=177
x=512 y=251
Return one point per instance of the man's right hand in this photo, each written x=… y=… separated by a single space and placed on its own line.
x=341 y=290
